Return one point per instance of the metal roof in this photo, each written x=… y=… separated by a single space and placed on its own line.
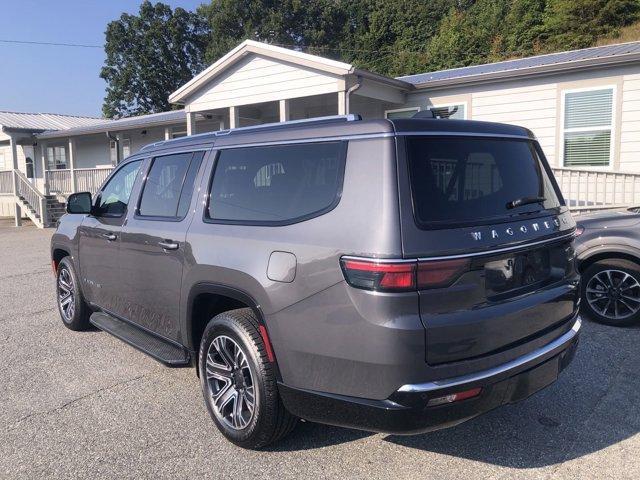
x=43 y=121
x=571 y=59
x=144 y=121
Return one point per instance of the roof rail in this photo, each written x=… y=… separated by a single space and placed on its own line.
x=276 y=125
x=315 y=120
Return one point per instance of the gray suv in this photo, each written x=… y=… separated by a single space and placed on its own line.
x=394 y=276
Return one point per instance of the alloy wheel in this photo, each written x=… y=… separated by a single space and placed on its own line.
x=614 y=294
x=66 y=295
x=230 y=383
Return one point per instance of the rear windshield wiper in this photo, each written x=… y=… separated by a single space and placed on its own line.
x=519 y=202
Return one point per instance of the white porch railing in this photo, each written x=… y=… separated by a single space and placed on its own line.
x=6 y=182
x=33 y=198
x=588 y=188
x=90 y=179
x=86 y=179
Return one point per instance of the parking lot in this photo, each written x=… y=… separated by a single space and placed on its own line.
x=85 y=405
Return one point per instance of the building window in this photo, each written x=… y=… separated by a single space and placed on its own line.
x=178 y=133
x=588 y=127
x=401 y=113
x=126 y=147
x=56 y=158
x=456 y=111
x=113 y=152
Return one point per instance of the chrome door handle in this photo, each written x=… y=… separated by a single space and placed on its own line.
x=168 y=245
x=109 y=236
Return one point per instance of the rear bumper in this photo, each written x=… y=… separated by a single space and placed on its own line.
x=406 y=410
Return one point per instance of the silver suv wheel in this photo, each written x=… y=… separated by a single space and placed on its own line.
x=66 y=295
x=614 y=294
x=230 y=383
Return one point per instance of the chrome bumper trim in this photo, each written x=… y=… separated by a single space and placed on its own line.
x=505 y=367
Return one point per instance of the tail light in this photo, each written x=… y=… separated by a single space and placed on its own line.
x=391 y=276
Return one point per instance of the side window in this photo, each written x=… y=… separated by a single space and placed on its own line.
x=169 y=185
x=276 y=184
x=115 y=195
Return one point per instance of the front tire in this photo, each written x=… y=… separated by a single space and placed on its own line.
x=239 y=383
x=73 y=310
x=611 y=292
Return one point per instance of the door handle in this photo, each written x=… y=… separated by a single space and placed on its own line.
x=109 y=236
x=168 y=245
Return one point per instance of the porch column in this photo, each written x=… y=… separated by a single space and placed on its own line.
x=234 y=117
x=342 y=103
x=284 y=110
x=72 y=164
x=14 y=155
x=45 y=179
x=167 y=133
x=191 y=123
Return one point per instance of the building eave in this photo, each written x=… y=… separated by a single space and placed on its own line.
x=580 y=65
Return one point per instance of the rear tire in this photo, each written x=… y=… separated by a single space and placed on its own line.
x=239 y=383
x=608 y=289
x=73 y=310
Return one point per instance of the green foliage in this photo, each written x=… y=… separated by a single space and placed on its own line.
x=149 y=55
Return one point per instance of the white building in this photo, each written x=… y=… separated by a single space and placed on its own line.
x=583 y=105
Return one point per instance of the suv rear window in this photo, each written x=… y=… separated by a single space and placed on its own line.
x=465 y=180
x=276 y=184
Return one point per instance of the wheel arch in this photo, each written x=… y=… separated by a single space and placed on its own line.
x=593 y=255
x=205 y=300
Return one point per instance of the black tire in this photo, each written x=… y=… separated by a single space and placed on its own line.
x=593 y=278
x=269 y=420
x=78 y=318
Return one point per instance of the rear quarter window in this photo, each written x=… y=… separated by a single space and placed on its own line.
x=279 y=184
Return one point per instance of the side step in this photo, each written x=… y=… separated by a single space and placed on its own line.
x=165 y=352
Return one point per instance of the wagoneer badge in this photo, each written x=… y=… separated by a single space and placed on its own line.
x=524 y=228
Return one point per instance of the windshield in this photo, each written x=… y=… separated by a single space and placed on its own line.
x=465 y=180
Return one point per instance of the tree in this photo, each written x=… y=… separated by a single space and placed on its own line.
x=150 y=55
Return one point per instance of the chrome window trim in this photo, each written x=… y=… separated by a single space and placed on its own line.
x=462 y=255
x=492 y=372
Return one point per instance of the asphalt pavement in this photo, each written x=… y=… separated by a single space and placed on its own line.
x=85 y=405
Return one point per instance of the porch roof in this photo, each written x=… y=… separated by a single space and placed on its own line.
x=42 y=121
x=300 y=60
x=141 y=121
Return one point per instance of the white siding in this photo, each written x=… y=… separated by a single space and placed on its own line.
x=630 y=129
x=536 y=104
x=277 y=81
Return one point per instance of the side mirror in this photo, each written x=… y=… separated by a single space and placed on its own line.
x=79 y=203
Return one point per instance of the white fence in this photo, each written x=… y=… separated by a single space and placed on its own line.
x=593 y=189
x=87 y=179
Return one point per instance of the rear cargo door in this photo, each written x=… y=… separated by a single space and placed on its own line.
x=490 y=204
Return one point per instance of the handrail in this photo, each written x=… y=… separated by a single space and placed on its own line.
x=30 y=194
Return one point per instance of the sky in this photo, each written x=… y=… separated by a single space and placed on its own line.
x=56 y=79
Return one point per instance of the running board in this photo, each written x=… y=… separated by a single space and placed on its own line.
x=162 y=350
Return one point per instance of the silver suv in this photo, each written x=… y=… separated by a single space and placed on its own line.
x=394 y=276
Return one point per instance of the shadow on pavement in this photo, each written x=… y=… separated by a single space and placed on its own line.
x=593 y=405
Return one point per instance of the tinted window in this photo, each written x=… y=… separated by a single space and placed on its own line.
x=464 y=180
x=115 y=195
x=169 y=185
x=276 y=184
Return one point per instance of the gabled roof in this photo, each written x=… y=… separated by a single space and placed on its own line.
x=249 y=47
x=141 y=121
x=42 y=121
x=574 y=59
